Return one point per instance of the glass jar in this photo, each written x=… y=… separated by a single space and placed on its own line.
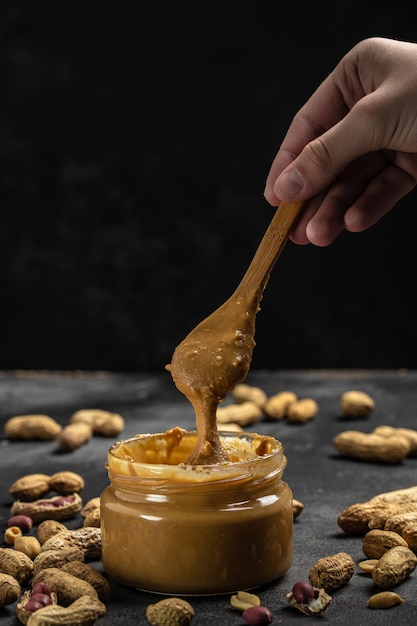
x=173 y=528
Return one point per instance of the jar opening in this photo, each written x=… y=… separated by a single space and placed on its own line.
x=163 y=454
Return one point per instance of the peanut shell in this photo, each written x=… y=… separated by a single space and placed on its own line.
x=372 y=447
x=243 y=393
x=74 y=436
x=408 y=433
x=82 y=612
x=358 y=518
x=56 y=558
x=399 y=520
x=87 y=539
x=170 y=612
x=316 y=606
x=356 y=404
x=409 y=534
x=277 y=405
x=91 y=505
x=30 y=487
x=9 y=589
x=32 y=428
x=104 y=423
x=331 y=572
x=48 y=528
x=93 y=519
x=16 y=564
x=302 y=410
x=394 y=566
x=66 y=483
x=23 y=614
x=376 y=542
x=57 y=507
x=91 y=575
x=66 y=586
x=243 y=414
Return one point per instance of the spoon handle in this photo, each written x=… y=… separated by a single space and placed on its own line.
x=270 y=247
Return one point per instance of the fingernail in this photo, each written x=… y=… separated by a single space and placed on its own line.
x=289 y=184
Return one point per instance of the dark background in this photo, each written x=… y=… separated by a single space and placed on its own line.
x=135 y=139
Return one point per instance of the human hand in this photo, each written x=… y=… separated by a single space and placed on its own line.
x=351 y=151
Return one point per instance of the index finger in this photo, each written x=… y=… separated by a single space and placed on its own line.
x=322 y=110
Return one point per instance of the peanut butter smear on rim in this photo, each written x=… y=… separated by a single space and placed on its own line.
x=210 y=362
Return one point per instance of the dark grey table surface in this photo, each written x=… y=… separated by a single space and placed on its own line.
x=318 y=476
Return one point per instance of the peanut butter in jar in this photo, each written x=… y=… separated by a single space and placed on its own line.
x=174 y=528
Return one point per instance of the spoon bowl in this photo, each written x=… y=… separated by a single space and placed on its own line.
x=216 y=355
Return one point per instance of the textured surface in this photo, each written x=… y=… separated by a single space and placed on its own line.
x=135 y=142
x=323 y=481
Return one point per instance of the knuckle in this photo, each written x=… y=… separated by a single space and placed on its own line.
x=318 y=154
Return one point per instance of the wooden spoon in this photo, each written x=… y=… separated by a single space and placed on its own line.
x=216 y=355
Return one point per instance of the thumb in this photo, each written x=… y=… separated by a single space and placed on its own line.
x=325 y=157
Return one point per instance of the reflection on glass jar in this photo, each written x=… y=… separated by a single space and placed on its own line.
x=179 y=529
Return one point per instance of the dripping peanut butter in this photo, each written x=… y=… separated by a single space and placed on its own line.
x=209 y=362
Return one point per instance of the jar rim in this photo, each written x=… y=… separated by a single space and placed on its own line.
x=175 y=444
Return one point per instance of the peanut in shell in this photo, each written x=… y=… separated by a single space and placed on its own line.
x=394 y=566
x=376 y=542
x=9 y=589
x=66 y=586
x=32 y=428
x=331 y=572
